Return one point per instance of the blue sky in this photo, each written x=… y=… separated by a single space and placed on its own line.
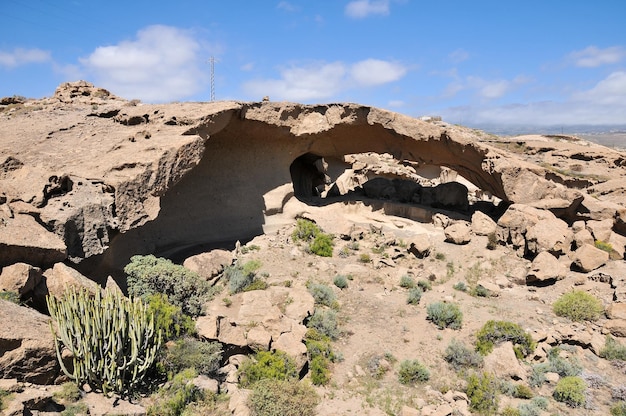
x=530 y=62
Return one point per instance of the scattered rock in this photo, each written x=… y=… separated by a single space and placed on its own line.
x=420 y=246
x=588 y=258
x=21 y=278
x=503 y=363
x=545 y=268
x=210 y=264
x=458 y=232
x=482 y=224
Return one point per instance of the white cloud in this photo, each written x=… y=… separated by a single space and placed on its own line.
x=487 y=89
x=375 y=72
x=247 y=67
x=19 y=57
x=458 y=56
x=286 y=6
x=593 y=56
x=316 y=81
x=359 y=9
x=322 y=80
x=161 y=64
x=605 y=103
x=611 y=91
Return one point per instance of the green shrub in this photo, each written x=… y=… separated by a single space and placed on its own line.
x=461 y=357
x=425 y=285
x=613 y=350
x=148 y=275
x=510 y=411
x=482 y=392
x=4 y=396
x=169 y=318
x=318 y=344
x=325 y=322
x=571 y=391
x=407 y=282
x=445 y=315
x=495 y=332
x=414 y=296
x=275 y=365
x=201 y=356
x=460 y=286
x=365 y=258
x=75 y=409
x=604 y=246
x=284 y=398
x=175 y=396
x=522 y=391
x=241 y=277
x=340 y=281
x=578 y=306
x=113 y=339
x=69 y=393
x=322 y=245
x=320 y=373
x=480 y=291
x=564 y=367
x=440 y=256
x=492 y=241
x=10 y=296
x=305 y=230
x=412 y=371
x=322 y=294
x=619 y=409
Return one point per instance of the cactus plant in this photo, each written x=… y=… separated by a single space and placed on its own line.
x=112 y=338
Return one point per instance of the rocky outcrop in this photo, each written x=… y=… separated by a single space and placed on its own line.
x=27 y=350
x=146 y=177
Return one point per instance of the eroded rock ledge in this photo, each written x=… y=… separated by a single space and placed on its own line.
x=110 y=178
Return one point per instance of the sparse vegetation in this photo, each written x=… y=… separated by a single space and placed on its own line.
x=242 y=278
x=564 y=367
x=286 y=398
x=482 y=392
x=69 y=393
x=202 y=356
x=578 y=305
x=169 y=318
x=445 y=315
x=604 y=246
x=461 y=357
x=412 y=371
x=425 y=285
x=480 y=291
x=495 y=332
x=407 y=282
x=414 y=296
x=571 y=391
x=341 y=281
x=619 y=409
x=149 y=275
x=365 y=258
x=322 y=245
x=322 y=294
x=275 y=365
x=325 y=322
x=175 y=396
x=318 y=243
x=460 y=286
x=613 y=349
x=10 y=296
x=4 y=396
x=492 y=241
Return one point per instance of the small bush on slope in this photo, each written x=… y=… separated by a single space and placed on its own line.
x=571 y=391
x=285 y=398
x=482 y=392
x=461 y=357
x=276 y=365
x=149 y=275
x=495 y=332
x=578 y=306
x=412 y=371
x=445 y=315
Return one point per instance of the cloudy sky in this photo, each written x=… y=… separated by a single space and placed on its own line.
x=532 y=62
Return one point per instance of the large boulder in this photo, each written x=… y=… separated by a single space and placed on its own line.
x=210 y=264
x=545 y=268
x=60 y=277
x=503 y=363
x=482 y=224
x=26 y=345
x=549 y=234
x=22 y=239
x=21 y=278
x=459 y=232
x=516 y=222
x=588 y=258
x=420 y=246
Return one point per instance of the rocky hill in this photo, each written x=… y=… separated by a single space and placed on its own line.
x=498 y=227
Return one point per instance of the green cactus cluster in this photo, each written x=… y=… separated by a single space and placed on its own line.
x=112 y=338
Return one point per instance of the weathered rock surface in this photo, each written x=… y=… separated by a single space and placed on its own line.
x=141 y=166
x=545 y=268
x=459 y=232
x=21 y=278
x=588 y=258
x=210 y=264
x=482 y=224
x=26 y=345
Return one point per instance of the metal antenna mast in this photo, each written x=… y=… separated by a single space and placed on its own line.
x=212 y=61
